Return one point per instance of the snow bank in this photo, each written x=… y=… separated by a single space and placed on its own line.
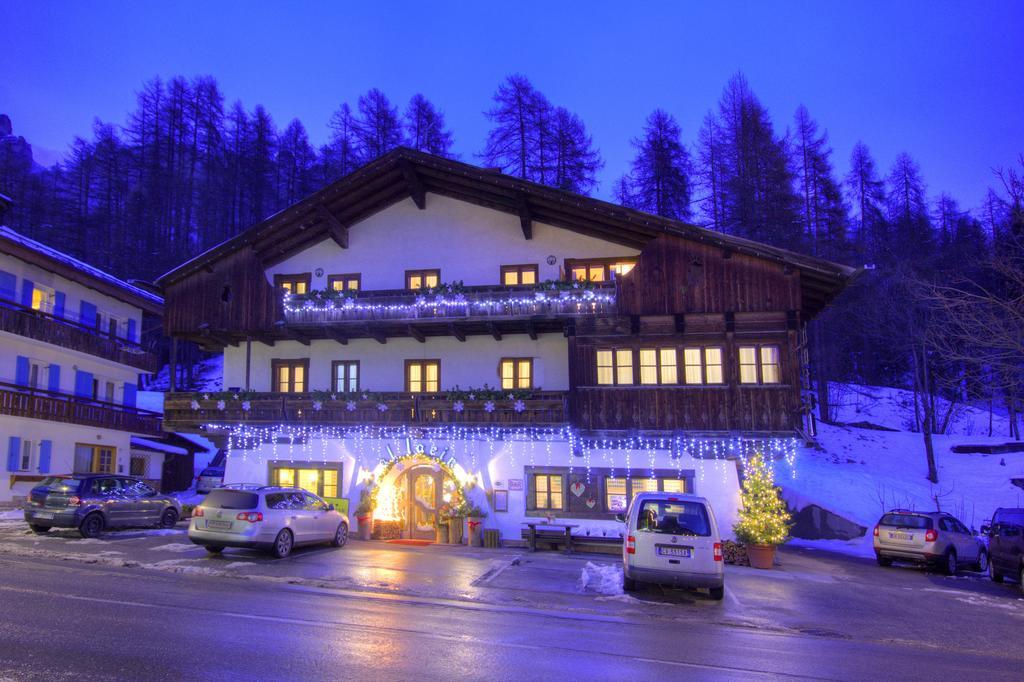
x=208 y=376
x=601 y=578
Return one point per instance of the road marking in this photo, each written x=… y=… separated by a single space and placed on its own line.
x=349 y=626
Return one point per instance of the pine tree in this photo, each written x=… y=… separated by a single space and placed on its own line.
x=339 y=156
x=822 y=209
x=660 y=176
x=425 y=129
x=512 y=143
x=866 y=192
x=764 y=518
x=378 y=128
x=710 y=172
x=912 y=232
x=295 y=159
x=576 y=162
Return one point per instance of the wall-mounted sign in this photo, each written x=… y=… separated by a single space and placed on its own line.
x=419 y=450
x=515 y=484
x=499 y=500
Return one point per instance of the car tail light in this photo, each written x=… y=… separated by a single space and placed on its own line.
x=718 y=551
x=931 y=535
x=74 y=501
x=631 y=544
x=876 y=531
x=197 y=512
x=251 y=517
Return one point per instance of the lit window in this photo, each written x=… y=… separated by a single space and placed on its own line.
x=614 y=367
x=599 y=269
x=422 y=376
x=713 y=366
x=760 y=365
x=702 y=365
x=346 y=376
x=616 y=496
x=770 y=373
x=547 y=490
x=645 y=485
x=693 y=371
x=294 y=284
x=748 y=365
x=673 y=485
x=513 y=275
x=516 y=373
x=330 y=483
x=658 y=366
x=422 y=279
x=289 y=375
x=623 y=366
x=43 y=299
x=350 y=282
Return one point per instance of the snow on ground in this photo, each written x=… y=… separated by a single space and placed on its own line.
x=12 y=515
x=208 y=376
x=601 y=578
x=189 y=496
x=859 y=473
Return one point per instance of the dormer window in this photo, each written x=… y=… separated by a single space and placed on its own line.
x=598 y=269
x=293 y=284
x=513 y=275
x=422 y=279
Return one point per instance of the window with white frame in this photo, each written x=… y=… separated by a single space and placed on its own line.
x=27 y=456
x=43 y=299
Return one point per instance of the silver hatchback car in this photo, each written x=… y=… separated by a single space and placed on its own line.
x=933 y=538
x=268 y=518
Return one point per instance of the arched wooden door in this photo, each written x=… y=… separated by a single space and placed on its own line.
x=424 y=499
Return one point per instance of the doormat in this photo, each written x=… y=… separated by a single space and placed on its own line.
x=414 y=543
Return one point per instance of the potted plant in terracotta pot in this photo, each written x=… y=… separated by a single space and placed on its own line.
x=475 y=523
x=764 y=518
x=364 y=513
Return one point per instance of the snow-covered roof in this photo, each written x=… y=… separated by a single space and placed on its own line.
x=58 y=257
x=159 y=446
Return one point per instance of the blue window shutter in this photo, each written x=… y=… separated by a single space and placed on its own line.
x=45 y=448
x=21 y=371
x=83 y=384
x=53 y=381
x=129 y=394
x=26 y=292
x=8 y=283
x=58 y=304
x=13 y=453
x=87 y=314
x=131 y=330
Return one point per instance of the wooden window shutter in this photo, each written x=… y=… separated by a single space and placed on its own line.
x=531 y=493
x=45 y=450
x=13 y=453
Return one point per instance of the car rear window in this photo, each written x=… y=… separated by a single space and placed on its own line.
x=211 y=472
x=907 y=521
x=231 y=499
x=62 y=483
x=673 y=518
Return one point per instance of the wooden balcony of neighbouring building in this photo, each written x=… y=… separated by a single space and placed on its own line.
x=35 y=403
x=189 y=412
x=48 y=328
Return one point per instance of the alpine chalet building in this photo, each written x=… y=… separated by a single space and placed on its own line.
x=423 y=327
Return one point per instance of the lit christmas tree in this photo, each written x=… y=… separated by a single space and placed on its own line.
x=764 y=519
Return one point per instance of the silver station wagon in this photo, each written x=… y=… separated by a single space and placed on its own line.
x=266 y=518
x=931 y=538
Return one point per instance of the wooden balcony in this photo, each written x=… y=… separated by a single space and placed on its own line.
x=478 y=303
x=34 y=403
x=541 y=408
x=44 y=327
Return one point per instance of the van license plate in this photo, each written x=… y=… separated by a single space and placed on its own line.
x=902 y=537
x=43 y=515
x=218 y=525
x=684 y=552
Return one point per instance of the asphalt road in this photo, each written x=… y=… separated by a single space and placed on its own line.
x=63 y=619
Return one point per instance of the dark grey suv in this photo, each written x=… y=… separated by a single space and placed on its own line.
x=93 y=502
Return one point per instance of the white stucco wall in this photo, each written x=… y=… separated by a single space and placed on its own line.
x=495 y=464
x=74 y=292
x=62 y=456
x=467 y=242
x=470 y=363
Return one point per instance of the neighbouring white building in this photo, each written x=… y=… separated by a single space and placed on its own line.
x=423 y=328
x=70 y=358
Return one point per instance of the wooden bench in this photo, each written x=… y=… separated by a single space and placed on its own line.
x=548 y=534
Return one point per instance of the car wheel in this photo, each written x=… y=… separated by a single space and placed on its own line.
x=340 y=536
x=169 y=518
x=883 y=561
x=36 y=528
x=91 y=526
x=282 y=544
x=950 y=563
x=628 y=584
x=717 y=593
x=214 y=549
x=982 y=561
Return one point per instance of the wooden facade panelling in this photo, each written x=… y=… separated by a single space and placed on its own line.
x=232 y=295
x=675 y=275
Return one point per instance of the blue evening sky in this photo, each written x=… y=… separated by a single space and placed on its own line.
x=940 y=80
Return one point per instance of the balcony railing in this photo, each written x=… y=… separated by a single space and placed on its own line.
x=34 y=403
x=34 y=324
x=184 y=410
x=479 y=302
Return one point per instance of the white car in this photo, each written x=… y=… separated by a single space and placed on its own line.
x=268 y=518
x=672 y=539
x=209 y=478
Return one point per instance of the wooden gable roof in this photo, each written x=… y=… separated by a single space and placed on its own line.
x=405 y=173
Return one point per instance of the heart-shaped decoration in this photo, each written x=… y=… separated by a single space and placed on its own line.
x=577 y=488
x=591 y=502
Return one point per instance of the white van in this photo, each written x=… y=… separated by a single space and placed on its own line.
x=672 y=539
